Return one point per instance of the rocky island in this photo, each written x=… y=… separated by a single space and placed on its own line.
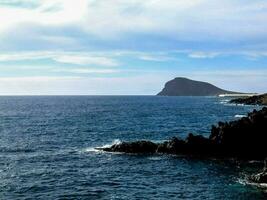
x=185 y=87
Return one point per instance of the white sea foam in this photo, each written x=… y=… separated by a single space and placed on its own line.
x=116 y=141
x=98 y=149
x=155 y=158
x=247 y=182
x=224 y=101
x=90 y=149
x=158 y=141
x=240 y=116
x=233 y=104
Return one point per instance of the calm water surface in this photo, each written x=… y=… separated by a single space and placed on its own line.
x=46 y=149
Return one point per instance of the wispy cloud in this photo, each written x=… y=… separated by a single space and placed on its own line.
x=251 y=54
x=84 y=58
x=87 y=71
x=203 y=54
x=156 y=58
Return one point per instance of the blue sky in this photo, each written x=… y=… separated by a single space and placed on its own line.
x=130 y=47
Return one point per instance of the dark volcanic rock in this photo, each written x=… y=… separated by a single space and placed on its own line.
x=186 y=87
x=133 y=147
x=193 y=144
x=245 y=138
x=172 y=146
x=254 y=100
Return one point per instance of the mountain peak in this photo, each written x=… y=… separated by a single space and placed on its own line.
x=181 y=86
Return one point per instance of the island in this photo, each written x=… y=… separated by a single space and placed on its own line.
x=181 y=86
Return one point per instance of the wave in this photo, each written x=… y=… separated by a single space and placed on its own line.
x=224 y=101
x=155 y=158
x=247 y=182
x=98 y=148
x=240 y=116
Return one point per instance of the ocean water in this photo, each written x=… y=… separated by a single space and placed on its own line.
x=47 y=149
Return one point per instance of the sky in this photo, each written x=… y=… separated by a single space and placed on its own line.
x=130 y=47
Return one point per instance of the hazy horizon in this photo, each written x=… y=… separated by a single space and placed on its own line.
x=116 y=47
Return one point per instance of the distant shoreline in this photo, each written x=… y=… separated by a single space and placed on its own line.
x=238 y=95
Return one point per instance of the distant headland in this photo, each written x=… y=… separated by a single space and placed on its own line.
x=181 y=86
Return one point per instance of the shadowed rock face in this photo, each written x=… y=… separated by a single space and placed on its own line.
x=186 y=87
x=254 y=100
x=245 y=138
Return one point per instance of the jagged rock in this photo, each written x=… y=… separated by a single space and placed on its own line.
x=173 y=146
x=246 y=137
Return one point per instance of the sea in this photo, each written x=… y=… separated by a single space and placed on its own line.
x=47 y=149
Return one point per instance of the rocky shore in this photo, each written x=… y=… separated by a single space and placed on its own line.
x=254 y=100
x=245 y=138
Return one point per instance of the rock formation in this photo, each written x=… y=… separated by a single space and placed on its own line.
x=186 y=87
x=245 y=138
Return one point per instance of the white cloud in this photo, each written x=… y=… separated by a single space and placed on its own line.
x=251 y=54
x=203 y=54
x=85 y=60
x=183 y=20
x=82 y=58
x=68 y=12
x=17 y=56
x=87 y=71
x=156 y=58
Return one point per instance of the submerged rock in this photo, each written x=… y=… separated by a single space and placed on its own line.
x=245 y=138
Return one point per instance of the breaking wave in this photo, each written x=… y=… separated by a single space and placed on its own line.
x=97 y=149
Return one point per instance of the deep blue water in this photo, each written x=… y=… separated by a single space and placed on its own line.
x=46 y=149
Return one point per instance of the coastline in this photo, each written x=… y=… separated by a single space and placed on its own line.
x=242 y=139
